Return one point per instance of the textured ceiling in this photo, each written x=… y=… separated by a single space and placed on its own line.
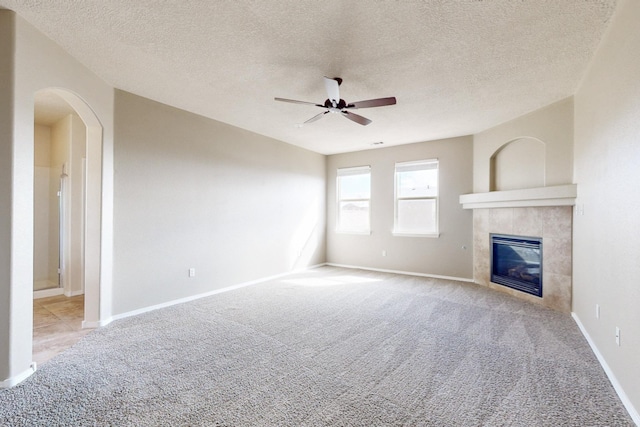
x=455 y=67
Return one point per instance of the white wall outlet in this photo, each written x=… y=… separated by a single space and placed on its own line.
x=384 y=253
x=192 y=272
x=597 y=311
x=617 y=335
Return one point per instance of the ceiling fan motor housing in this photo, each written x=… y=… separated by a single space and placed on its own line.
x=340 y=105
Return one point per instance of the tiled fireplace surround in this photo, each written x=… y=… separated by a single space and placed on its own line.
x=553 y=224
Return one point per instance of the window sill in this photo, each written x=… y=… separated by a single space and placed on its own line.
x=402 y=234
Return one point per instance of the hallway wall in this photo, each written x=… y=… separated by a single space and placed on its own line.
x=45 y=221
x=29 y=61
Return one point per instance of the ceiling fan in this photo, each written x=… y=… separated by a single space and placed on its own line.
x=333 y=104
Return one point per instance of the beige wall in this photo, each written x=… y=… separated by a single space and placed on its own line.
x=29 y=62
x=551 y=125
x=195 y=193
x=12 y=348
x=607 y=171
x=42 y=145
x=443 y=256
x=75 y=207
x=42 y=276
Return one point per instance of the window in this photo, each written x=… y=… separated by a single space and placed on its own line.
x=416 y=207
x=354 y=192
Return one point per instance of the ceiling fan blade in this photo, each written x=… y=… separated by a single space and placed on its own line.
x=378 y=102
x=316 y=117
x=356 y=118
x=298 y=102
x=333 y=89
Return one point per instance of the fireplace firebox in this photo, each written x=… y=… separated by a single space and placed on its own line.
x=516 y=262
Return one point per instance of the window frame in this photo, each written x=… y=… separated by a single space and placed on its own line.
x=397 y=198
x=349 y=171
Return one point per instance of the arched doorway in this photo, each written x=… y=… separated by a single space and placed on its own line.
x=79 y=170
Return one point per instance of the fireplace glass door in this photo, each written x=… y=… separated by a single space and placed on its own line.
x=516 y=262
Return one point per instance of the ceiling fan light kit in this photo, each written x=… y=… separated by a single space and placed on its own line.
x=334 y=104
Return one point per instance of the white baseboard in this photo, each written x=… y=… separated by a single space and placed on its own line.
x=612 y=378
x=46 y=293
x=198 y=296
x=94 y=324
x=15 y=380
x=407 y=273
x=39 y=285
x=73 y=293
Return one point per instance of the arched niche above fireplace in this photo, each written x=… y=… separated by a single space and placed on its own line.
x=518 y=164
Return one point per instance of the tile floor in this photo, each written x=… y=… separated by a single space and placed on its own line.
x=57 y=325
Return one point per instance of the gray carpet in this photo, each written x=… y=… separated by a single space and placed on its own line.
x=328 y=347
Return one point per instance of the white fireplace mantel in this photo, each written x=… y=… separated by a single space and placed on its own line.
x=558 y=195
